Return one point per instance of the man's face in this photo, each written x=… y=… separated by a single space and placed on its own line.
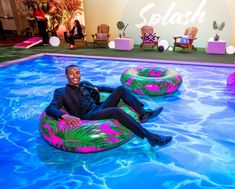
x=73 y=76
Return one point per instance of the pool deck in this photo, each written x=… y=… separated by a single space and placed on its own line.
x=213 y=64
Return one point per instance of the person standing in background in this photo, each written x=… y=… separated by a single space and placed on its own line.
x=2 y=32
x=40 y=17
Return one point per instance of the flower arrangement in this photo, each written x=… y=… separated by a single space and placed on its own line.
x=122 y=27
x=218 y=27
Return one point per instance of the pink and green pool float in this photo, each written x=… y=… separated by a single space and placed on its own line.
x=152 y=81
x=231 y=90
x=90 y=136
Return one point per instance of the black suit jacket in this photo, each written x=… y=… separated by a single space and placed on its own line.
x=77 y=103
x=79 y=32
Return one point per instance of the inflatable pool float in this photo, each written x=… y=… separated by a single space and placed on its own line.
x=231 y=90
x=89 y=136
x=151 y=80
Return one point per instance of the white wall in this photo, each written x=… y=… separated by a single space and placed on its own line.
x=168 y=17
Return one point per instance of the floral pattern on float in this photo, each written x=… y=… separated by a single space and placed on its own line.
x=89 y=136
x=153 y=81
x=231 y=90
x=231 y=80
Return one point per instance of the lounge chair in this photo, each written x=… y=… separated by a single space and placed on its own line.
x=186 y=41
x=149 y=38
x=102 y=35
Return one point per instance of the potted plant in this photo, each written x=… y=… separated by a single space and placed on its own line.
x=217 y=29
x=122 y=27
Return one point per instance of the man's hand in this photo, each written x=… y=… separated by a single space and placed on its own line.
x=72 y=121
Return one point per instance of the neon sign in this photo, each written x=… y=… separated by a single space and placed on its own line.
x=173 y=17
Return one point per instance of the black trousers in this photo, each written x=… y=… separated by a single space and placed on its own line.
x=72 y=37
x=2 y=31
x=42 y=29
x=108 y=109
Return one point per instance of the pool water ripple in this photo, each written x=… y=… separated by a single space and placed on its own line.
x=200 y=117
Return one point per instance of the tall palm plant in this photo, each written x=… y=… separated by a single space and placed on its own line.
x=63 y=12
x=70 y=10
x=54 y=16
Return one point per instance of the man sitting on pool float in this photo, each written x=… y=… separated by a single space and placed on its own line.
x=81 y=101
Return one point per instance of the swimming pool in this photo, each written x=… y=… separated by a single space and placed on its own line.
x=199 y=117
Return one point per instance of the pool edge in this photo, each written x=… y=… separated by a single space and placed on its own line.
x=11 y=62
x=208 y=64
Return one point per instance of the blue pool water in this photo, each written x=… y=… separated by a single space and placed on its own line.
x=200 y=117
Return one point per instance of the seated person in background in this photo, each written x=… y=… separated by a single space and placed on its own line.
x=75 y=33
x=82 y=104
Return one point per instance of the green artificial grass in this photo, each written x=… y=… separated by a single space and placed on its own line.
x=11 y=53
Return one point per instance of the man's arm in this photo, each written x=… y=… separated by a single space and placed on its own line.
x=99 y=88
x=72 y=31
x=54 y=111
x=54 y=107
x=104 y=89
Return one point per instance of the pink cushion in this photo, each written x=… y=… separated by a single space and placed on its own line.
x=100 y=36
x=149 y=37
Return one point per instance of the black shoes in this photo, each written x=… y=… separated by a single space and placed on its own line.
x=154 y=139
x=151 y=114
x=158 y=140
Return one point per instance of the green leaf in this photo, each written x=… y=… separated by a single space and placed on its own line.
x=220 y=28
x=125 y=27
x=215 y=25
x=120 y=25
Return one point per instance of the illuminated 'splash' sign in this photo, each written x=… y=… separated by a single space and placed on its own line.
x=173 y=17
